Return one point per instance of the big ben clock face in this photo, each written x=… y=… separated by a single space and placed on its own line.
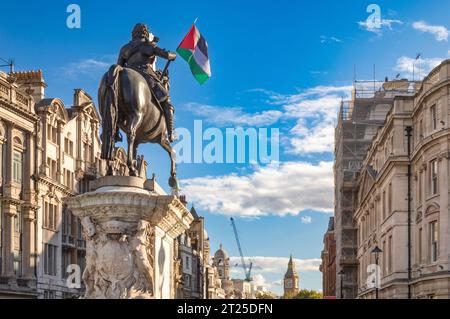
x=288 y=283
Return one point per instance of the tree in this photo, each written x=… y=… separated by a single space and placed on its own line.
x=308 y=294
x=265 y=295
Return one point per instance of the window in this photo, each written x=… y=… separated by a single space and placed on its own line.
x=68 y=178
x=68 y=146
x=50 y=216
x=17 y=263
x=433 y=117
x=50 y=254
x=434 y=241
x=384 y=205
x=66 y=261
x=52 y=133
x=434 y=177
x=187 y=262
x=18 y=221
x=52 y=168
x=17 y=166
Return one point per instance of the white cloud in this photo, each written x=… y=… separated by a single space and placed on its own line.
x=314 y=112
x=310 y=116
x=324 y=39
x=306 y=219
x=416 y=67
x=440 y=33
x=276 y=264
x=285 y=189
x=88 y=67
x=233 y=115
x=385 y=24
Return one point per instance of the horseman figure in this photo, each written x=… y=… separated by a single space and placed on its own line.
x=140 y=55
x=134 y=97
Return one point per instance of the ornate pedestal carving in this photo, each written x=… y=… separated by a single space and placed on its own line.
x=130 y=226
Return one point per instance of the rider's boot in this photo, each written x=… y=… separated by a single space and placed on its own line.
x=168 y=114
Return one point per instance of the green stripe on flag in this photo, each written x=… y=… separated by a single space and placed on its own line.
x=200 y=75
x=186 y=54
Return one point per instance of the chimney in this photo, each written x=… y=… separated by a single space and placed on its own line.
x=32 y=83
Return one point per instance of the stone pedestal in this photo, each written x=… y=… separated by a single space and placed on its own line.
x=130 y=225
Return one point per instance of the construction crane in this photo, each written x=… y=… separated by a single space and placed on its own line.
x=244 y=265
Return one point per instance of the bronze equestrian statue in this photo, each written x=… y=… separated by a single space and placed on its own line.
x=135 y=98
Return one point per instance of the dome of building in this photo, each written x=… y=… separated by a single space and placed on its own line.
x=220 y=255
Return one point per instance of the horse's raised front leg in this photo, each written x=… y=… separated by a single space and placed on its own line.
x=173 y=171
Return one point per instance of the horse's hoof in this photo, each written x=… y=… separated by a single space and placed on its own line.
x=172 y=182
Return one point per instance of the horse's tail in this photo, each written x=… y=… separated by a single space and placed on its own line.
x=108 y=102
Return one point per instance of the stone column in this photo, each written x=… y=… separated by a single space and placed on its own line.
x=9 y=211
x=28 y=242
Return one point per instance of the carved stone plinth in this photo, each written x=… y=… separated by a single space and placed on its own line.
x=130 y=225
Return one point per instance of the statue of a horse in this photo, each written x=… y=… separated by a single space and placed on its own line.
x=127 y=103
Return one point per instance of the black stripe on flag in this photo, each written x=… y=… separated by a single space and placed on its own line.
x=202 y=46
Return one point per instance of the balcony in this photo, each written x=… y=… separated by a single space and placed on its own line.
x=10 y=93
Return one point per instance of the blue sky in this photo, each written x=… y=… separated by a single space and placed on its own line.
x=279 y=64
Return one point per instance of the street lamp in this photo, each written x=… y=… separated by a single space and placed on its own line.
x=341 y=275
x=377 y=252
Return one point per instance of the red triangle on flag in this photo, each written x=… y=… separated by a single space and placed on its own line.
x=190 y=40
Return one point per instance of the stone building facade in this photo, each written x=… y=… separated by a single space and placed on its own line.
x=414 y=239
x=359 y=120
x=49 y=152
x=328 y=265
x=19 y=124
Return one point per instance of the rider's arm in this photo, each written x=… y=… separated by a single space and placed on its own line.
x=162 y=53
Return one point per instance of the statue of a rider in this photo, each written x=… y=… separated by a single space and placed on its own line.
x=140 y=55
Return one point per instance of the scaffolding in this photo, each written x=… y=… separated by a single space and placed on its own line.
x=358 y=122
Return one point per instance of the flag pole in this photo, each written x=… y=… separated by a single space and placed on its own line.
x=195 y=21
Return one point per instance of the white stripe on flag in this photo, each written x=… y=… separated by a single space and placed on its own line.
x=202 y=61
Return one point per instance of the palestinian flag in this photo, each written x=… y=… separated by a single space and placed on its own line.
x=194 y=50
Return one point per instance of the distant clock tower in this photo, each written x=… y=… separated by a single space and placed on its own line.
x=291 y=279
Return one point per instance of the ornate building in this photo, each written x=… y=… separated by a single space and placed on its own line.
x=19 y=125
x=48 y=152
x=290 y=282
x=328 y=266
x=414 y=260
